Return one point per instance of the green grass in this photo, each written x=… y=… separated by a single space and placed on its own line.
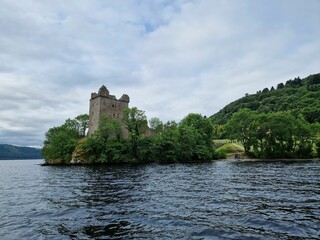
x=231 y=148
x=228 y=149
x=218 y=141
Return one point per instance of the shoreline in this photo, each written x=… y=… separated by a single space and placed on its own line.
x=217 y=160
x=248 y=159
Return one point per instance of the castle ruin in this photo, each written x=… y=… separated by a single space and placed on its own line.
x=104 y=104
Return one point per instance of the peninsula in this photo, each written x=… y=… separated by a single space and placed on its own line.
x=259 y=124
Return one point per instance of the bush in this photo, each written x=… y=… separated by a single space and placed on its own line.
x=220 y=154
x=318 y=148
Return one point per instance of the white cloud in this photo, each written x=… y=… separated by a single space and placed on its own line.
x=171 y=57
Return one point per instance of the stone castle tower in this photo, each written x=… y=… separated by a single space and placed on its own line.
x=104 y=104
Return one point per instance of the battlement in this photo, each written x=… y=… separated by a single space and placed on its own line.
x=104 y=92
x=104 y=104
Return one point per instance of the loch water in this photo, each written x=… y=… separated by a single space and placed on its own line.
x=218 y=200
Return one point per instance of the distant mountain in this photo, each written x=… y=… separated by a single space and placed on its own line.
x=301 y=96
x=13 y=152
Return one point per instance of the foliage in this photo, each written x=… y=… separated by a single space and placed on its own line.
x=218 y=131
x=272 y=135
x=239 y=127
x=106 y=144
x=318 y=148
x=188 y=141
x=135 y=120
x=196 y=134
x=300 y=96
x=82 y=124
x=229 y=149
x=220 y=154
x=80 y=154
x=61 y=141
x=156 y=125
x=281 y=122
x=264 y=135
x=166 y=145
x=136 y=123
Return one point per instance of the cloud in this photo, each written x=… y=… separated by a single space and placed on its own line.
x=214 y=52
x=171 y=57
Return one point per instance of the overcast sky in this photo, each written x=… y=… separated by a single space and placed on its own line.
x=172 y=57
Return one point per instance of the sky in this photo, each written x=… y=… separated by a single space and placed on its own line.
x=172 y=57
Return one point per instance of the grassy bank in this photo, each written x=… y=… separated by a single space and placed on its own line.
x=225 y=148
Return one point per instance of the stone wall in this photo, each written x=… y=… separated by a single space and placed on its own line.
x=104 y=104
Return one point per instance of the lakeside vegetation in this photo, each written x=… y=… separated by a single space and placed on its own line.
x=274 y=135
x=228 y=148
x=275 y=123
x=171 y=142
x=299 y=96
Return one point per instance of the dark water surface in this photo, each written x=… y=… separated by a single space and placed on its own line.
x=219 y=200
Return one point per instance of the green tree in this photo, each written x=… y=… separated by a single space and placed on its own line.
x=201 y=125
x=166 y=145
x=318 y=148
x=298 y=96
x=272 y=135
x=218 y=131
x=137 y=124
x=239 y=127
x=60 y=142
x=170 y=125
x=156 y=125
x=187 y=143
x=195 y=138
x=82 y=123
x=304 y=137
x=280 y=86
x=145 y=149
x=258 y=133
x=103 y=142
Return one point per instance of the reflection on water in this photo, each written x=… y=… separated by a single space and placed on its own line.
x=219 y=200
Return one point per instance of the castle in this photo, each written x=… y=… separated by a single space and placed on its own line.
x=104 y=104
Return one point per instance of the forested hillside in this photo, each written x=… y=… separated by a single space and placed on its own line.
x=14 y=152
x=301 y=96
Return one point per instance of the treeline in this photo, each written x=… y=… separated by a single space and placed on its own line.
x=61 y=141
x=187 y=141
x=274 y=135
x=274 y=123
x=300 y=96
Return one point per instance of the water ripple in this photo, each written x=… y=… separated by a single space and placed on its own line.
x=219 y=200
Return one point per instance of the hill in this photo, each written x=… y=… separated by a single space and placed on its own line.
x=13 y=152
x=301 y=96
